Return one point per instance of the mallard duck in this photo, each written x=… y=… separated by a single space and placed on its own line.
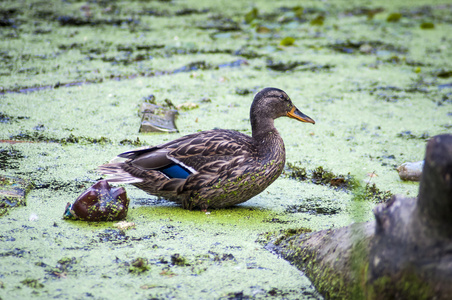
x=214 y=168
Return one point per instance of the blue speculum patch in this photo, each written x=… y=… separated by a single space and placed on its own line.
x=175 y=171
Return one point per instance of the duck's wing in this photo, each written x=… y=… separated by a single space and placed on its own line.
x=192 y=153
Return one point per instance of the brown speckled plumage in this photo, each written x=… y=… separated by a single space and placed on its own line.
x=225 y=167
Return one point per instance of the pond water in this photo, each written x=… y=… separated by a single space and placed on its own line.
x=375 y=76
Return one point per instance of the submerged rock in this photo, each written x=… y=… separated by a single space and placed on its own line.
x=411 y=171
x=100 y=202
x=157 y=118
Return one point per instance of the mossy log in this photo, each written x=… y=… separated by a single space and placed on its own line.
x=405 y=253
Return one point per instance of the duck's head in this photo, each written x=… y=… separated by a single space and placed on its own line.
x=272 y=103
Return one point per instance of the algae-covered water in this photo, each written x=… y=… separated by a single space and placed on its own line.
x=376 y=76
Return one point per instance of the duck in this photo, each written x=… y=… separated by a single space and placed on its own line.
x=215 y=168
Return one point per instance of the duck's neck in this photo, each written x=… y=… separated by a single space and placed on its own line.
x=268 y=140
x=262 y=127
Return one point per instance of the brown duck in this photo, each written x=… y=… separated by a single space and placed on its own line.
x=214 y=168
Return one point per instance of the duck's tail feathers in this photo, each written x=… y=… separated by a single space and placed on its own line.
x=115 y=173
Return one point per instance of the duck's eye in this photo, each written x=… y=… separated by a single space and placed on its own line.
x=282 y=97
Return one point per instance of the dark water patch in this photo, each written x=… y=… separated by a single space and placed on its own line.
x=445 y=86
x=9 y=12
x=194 y=66
x=389 y=97
x=218 y=257
x=198 y=65
x=297 y=65
x=70 y=46
x=111 y=235
x=42 y=31
x=127 y=48
x=63 y=267
x=154 y=12
x=394 y=93
x=149 y=47
x=396 y=89
x=16 y=252
x=10 y=158
x=443 y=73
x=39 y=136
x=438 y=13
x=246 y=91
x=74 y=186
x=191 y=11
x=313 y=206
x=7 y=59
x=233 y=64
x=149 y=201
x=407 y=134
x=447 y=98
x=79 y=21
x=220 y=24
x=5 y=118
x=125 y=60
x=7 y=23
x=7 y=238
x=365 y=47
x=7 y=17
x=44 y=14
x=202 y=65
x=400 y=60
x=181 y=51
x=119 y=237
x=247 y=53
x=178 y=13
x=95 y=51
x=276 y=221
x=284 y=66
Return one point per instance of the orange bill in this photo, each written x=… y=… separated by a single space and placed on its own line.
x=294 y=113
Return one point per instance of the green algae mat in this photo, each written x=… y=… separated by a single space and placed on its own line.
x=375 y=76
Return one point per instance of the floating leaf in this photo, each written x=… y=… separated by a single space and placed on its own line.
x=251 y=15
x=318 y=21
x=287 y=41
x=394 y=17
x=427 y=25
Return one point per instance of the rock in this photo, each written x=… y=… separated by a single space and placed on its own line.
x=411 y=171
x=100 y=202
x=157 y=118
